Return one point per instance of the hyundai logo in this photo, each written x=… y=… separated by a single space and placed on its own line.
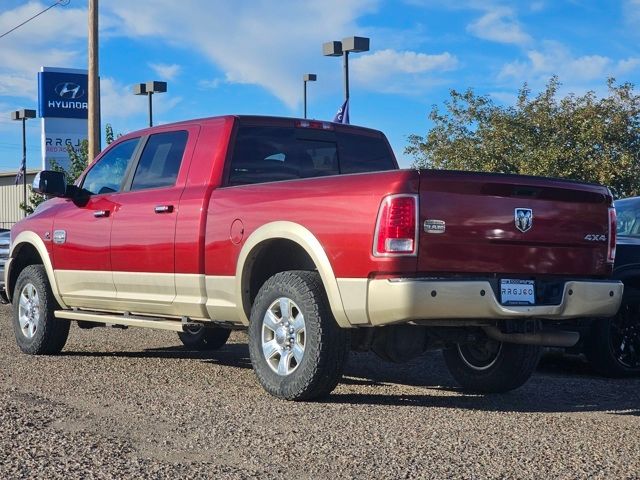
x=69 y=90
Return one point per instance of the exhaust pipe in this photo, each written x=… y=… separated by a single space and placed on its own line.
x=543 y=338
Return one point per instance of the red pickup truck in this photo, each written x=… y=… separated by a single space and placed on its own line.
x=308 y=235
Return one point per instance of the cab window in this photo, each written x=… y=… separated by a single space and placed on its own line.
x=107 y=174
x=160 y=161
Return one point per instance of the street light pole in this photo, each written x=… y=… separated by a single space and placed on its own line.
x=150 y=97
x=345 y=68
x=149 y=89
x=23 y=115
x=307 y=77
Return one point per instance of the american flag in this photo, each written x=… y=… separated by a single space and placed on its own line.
x=342 y=115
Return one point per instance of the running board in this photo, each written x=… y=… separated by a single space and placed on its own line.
x=114 y=319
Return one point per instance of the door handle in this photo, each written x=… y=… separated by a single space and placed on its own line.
x=101 y=213
x=164 y=209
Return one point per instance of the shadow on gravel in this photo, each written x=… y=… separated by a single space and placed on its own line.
x=232 y=355
x=561 y=384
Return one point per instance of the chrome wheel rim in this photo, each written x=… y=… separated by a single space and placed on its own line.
x=29 y=311
x=283 y=336
x=624 y=338
x=480 y=356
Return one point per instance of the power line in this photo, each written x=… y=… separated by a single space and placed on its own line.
x=58 y=2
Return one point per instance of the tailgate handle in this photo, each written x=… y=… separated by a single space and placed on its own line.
x=101 y=213
x=164 y=209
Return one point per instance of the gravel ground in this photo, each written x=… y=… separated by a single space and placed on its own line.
x=135 y=404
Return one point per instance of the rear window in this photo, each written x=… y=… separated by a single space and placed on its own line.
x=270 y=154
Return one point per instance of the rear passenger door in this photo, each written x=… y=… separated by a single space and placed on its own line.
x=144 y=221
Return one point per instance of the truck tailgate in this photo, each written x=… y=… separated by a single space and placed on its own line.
x=494 y=223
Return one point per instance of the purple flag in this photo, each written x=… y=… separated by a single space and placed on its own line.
x=19 y=175
x=342 y=115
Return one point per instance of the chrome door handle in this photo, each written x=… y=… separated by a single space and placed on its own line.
x=164 y=209
x=101 y=213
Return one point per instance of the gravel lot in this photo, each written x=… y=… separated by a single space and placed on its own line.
x=135 y=404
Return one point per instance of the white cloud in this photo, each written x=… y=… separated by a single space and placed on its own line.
x=631 y=10
x=400 y=72
x=499 y=25
x=210 y=84
x=555 y=59
x=261 y=42
x=117 y=101
x=48 y=40
x=165 y=71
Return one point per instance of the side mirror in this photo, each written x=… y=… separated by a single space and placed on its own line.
x=51 y=183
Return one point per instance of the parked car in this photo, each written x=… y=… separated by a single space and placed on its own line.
x=612 y=345
x=5 y=240
x=307 y=234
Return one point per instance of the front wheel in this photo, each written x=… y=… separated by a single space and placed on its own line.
x=297 y=349
x=37 y=330
x=490 y=366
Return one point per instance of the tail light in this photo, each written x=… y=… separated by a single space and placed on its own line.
x=611 y=251
x=396 y=231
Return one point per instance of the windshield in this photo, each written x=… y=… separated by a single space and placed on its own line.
x=628 y=213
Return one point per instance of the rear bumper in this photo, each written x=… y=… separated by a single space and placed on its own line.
x=406 y=300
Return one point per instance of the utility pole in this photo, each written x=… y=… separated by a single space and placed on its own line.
x=93 y=128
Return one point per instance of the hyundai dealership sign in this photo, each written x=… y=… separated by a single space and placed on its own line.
x=63 y=106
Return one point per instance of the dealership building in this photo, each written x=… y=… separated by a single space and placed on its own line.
x=11 y=196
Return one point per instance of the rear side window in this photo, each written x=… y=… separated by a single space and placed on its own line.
x=160 y=161
x=360 y=153
x=107 y=174
x=269 y=154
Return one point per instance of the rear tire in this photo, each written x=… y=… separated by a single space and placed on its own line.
x=490 y=366
x=613 y=345
x=297 y=349
x=37 y=330
x=204 y=338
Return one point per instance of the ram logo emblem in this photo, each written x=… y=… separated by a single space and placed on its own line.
x=524 y=219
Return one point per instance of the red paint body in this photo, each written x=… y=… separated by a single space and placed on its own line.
x=195 y=237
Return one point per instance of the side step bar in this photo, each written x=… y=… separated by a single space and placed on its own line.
x=114 y=319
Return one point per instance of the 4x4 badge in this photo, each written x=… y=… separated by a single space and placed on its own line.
x=524 y=219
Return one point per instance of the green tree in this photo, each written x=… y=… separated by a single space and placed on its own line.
x=78 y=161
x=581 y=137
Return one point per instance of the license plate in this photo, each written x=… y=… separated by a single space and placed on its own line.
x=517 y=292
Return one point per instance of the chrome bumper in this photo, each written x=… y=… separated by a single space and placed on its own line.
x=401 y=301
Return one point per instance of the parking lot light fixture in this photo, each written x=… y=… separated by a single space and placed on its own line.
x=23 y=115
x=337 y=49
x=148 y=89
x=307 y=77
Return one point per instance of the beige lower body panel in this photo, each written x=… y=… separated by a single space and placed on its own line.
x=109 y=319
x=403 y=301
x=172 y=295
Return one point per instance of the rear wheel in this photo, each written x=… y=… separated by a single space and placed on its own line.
x=37 y=330
x=297 y=349
x=613 y=346
x=204 y=338
x=490 y=366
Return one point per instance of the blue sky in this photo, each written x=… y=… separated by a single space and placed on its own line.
x=248 y=56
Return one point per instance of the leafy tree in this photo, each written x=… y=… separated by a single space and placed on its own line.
x=78 y=161
x=581 y=137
